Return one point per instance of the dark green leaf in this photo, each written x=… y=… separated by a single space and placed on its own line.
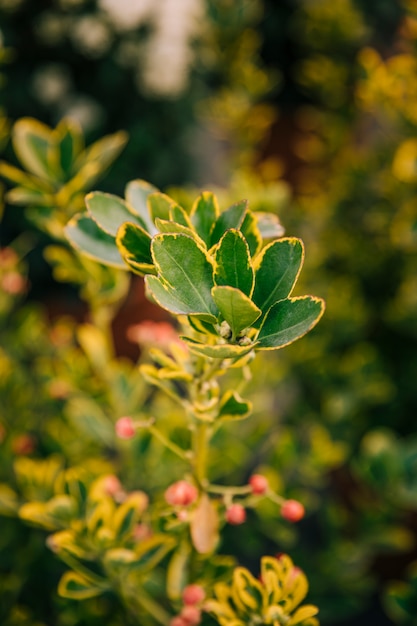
x=231 y=218
x=134 y=245
x=276 y=271
x=204 y=214
x=168 y=299
x=251 y=233
x=160 y=205
x=288 y=320
x=232 y=406
x=187 y=269
x=233 y=263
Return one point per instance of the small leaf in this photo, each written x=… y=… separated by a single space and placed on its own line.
x=220 y=351
x=150 y=552
x=204 y=214
x=178 y=215
x=276 y=271
x=128 y=513
x=233 y=263
x=160 y=205
x=134 y=244
x=247 y=592
x=77 y=587
x=233 y=407
x=137 y=193
x=8 y=500
x=187 y=269
x=15 y=175
x=269 y=225
x=168 y=226
x=237 y=309
x=177 y=572
x=90 y=420
x=251 y=233
x=204 y=526
x=86 y=237
x=110 y=211
x=70 y=142
x=231 y=218
x=288 y=320
x=303 y=613
x=102 y=152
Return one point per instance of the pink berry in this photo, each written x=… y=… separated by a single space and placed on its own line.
x=193 y=594
x=235 y=514
x=181 y=493
x=191 y=615
x=177 y=621
x=292 y=511
x=258 y=483
x=125 y=428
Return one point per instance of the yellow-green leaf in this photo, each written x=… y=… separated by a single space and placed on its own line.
x=77 y=587
x=237 y=309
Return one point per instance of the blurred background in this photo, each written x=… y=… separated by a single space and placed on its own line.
x=307 y=108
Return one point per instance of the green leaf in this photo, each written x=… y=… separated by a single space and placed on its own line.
x=204 y=214
x=22 y=196
x=128 y=513
x=178 y=215
x=31 y=142
x=103 y=152
x=160 y=205
x=251 y=233
x=276 y=271
x=233 y=263
x=177 y=571
x=71 y=143
x=134 y=245
x=220 y=351
x=86 y=237
x=77 y=587
x=269 y=225
x=110 y=211
x=231 y=218
x=233 y=407
x=171 y=301
x=17 y=176
x=237 y=309
x=168 y=226
x=137 y=193
x=188 y=271
x=288 y=320
x=150 y=552
x=90 y=420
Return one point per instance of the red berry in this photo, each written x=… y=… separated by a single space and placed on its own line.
x=292 y=511
x=259 y=484
x=236 y=514
x=193 y=594
x=177 y=621
x=191 y=615
x=125 y=428
x=181 y=493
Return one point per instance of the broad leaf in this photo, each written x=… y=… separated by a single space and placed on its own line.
x=71 y=143
x=233 y=407
x=178 y=215
x=220 y=351
x=233 y=263
x=237 y=309
x=134 y=244
x=204 y=214
x=171 y=301
x=86 y=237
x=110 y=211
x=187 y=269
x=231 y=218
x=276 y=271
x=136 y=193
x=288 y=320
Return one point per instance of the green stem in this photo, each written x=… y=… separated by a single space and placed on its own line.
x=168 y=443
x=224 y=490
x=200 y=448
x=153 y=608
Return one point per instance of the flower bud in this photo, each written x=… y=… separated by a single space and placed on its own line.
x=235 y=514
x=259 y=484
x=181 y=493
x=125 y=428
x=190 y=615
x=292 y=511
x=193 y=594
